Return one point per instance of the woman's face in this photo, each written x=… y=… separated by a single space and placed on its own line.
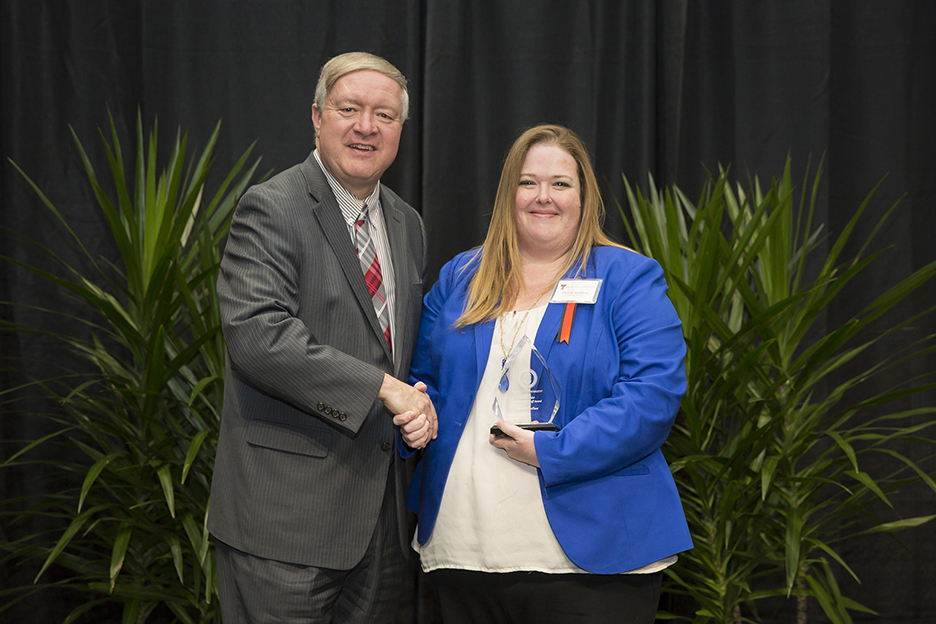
x=548 y=200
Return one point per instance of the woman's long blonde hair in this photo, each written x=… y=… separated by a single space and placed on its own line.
x=498 y=280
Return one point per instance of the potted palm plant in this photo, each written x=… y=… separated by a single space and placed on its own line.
x=138 y=422
x=776 y=458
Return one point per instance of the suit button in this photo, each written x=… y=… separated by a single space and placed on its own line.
x=386 y=446
x=321 y=406
x=327 y=410
x=342 y=417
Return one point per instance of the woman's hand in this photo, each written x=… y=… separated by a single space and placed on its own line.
x=400 y=398
x=516 y=441
x=416 y=429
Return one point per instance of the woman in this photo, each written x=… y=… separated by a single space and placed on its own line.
x=539 y=526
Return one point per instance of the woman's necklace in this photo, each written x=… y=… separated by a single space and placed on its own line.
x=516 y=333
x=504 y=381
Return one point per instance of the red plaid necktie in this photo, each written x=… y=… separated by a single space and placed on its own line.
x=367 y=254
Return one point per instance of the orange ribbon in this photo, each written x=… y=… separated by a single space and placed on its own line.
x=566 y=329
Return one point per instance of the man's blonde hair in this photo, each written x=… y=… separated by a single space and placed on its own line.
x=348 y=62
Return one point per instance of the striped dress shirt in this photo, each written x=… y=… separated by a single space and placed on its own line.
x=351 y=210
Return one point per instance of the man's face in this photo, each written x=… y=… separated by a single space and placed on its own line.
x=358 y=132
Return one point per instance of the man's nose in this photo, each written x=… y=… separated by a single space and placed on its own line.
x=365 y=123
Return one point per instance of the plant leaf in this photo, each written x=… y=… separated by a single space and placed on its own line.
x=165 y=479
x=121 y=542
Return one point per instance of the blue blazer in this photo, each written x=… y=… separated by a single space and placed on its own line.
x=608 y=493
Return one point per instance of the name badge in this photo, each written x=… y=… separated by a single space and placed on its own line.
x=576 y=291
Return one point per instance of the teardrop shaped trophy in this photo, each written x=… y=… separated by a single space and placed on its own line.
x=527 y=392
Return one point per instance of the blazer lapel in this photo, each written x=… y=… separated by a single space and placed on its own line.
x=548 y=334
x=326 y=211
x=403 y=277
x=483 y=337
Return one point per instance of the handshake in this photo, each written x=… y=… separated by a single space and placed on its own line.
x=415 y=414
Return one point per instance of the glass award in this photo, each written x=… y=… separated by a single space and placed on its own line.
x=527 y=393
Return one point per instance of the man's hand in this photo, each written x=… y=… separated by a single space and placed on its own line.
x=516 y=441
x=400 y=398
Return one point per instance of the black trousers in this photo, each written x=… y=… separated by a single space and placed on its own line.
x=534 y=597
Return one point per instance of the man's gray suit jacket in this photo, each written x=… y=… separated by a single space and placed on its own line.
x=304 y=449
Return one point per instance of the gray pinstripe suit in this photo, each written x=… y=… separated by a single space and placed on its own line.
x=305 y=448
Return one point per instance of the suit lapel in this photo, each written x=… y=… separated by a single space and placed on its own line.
x=483 y=339
x=402 y=275
x=548 y=334
x=326 y=211
x=549 y=328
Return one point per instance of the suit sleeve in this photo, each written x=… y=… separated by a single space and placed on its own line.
x=268 y=345
x=634 y=418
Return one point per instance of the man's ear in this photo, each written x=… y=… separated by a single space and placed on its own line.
x=316 y=118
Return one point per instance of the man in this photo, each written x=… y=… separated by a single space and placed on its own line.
x=320 y=291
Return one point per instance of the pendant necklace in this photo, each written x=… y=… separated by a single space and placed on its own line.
x=504 y=383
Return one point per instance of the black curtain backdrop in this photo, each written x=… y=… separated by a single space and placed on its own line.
x=670 y=88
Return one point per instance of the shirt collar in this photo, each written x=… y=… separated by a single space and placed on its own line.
x=349 y=204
